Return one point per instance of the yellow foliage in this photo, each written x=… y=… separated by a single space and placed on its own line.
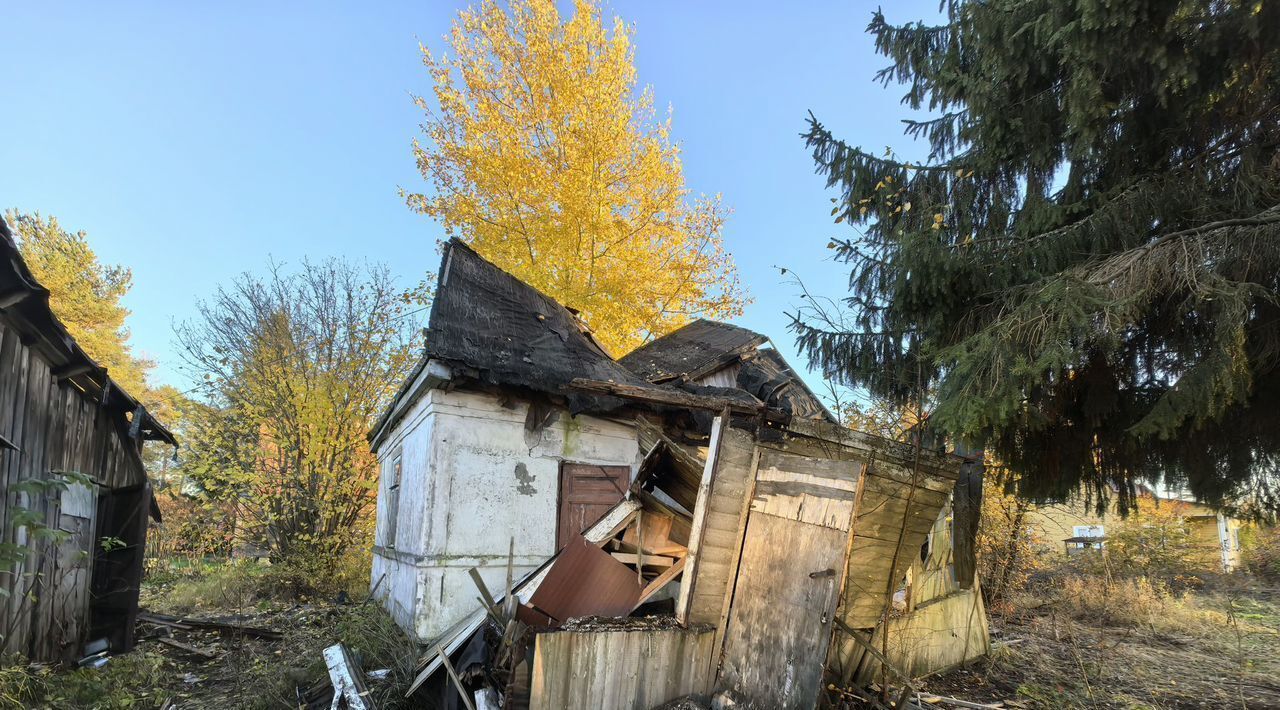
x=544 y=159
x=84 y=294
x=298 y=367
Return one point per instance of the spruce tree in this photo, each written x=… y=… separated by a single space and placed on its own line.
x=1085 y=272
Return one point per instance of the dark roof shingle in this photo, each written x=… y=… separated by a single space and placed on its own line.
x=510 y=333
x=693 y=348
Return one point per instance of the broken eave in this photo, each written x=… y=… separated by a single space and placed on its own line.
x=743 y=403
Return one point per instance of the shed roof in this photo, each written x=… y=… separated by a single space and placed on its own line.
x=26 y=303
x=770 y=379
x=695 y=349
x=704 y=347
x=510 y=333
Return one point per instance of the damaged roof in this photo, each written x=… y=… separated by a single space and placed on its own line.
x=696 y=349
x=510 y=333
x=488 y=326
x=768 y=377
x=705 y=347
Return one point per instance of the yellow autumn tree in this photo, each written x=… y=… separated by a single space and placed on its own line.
x=545 y=158
x=84 y=293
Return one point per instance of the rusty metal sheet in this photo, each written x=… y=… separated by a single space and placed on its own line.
x=586 y=581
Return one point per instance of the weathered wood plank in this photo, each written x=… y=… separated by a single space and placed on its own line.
x=934 y=637
x=632 y=668
x=780 y=618
x=732 y=471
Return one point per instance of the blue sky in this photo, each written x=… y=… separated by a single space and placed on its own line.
x=197 y=141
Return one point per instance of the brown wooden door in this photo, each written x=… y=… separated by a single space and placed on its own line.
x=586 y=493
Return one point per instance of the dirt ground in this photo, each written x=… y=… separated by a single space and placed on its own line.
x=198 y=668
x=1209 y=649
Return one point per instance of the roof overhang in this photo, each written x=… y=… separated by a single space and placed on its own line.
x=25 y=305
x=428 y=374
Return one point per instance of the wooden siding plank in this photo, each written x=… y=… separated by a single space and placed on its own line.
x=620 y=669
x=56 y=427
x=734 y=470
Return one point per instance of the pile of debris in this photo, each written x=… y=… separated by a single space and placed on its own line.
x=619 y=577
x=161 y=628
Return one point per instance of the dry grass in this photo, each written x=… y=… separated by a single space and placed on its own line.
x=135 y=680
x=1082 y=642
x=252 y=673
x=248 y=672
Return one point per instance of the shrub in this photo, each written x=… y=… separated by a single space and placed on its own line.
x=1261 y=554
x=1137 y=602
x=1155 y=541
x=1008 y=555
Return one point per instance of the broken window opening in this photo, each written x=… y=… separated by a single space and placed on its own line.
x=391 y=473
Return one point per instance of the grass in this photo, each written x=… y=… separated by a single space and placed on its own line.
x=248 y=672
x=133 y=680
x=1077 y=641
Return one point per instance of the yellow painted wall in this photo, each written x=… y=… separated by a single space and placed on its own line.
x=1051 y=524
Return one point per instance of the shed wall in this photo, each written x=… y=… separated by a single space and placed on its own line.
x=473 y=480
x=56 y=428
x=620 y=670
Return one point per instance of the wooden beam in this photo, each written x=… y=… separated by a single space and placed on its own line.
x=193 y=650
x=661 y=581
x=71 y=370
x=631 y=558
x=870 y=648
x=669 y=397
x=685 y=601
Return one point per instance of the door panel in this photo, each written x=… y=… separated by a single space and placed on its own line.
x=586 y=493
x=783 y=603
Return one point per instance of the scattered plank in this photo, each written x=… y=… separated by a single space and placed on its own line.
x=193 y=650
x=147 y=618
x=932 y=699
x=347 y=679
x=186 y=623
x=453 y=675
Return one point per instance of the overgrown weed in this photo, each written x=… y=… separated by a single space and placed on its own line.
x=132 y=680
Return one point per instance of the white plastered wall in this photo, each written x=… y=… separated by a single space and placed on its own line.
x=472 y=480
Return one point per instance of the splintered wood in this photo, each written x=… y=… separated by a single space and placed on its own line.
x=717 y=522
x=349 y=690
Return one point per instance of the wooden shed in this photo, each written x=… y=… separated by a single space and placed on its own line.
x=76 y=498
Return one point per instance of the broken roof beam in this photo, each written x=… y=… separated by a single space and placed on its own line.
x=668 y=397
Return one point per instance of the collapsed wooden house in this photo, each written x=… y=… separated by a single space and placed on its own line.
x=685 y=519
x=76 y=496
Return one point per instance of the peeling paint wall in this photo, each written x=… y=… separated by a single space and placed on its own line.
x=472 y=479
